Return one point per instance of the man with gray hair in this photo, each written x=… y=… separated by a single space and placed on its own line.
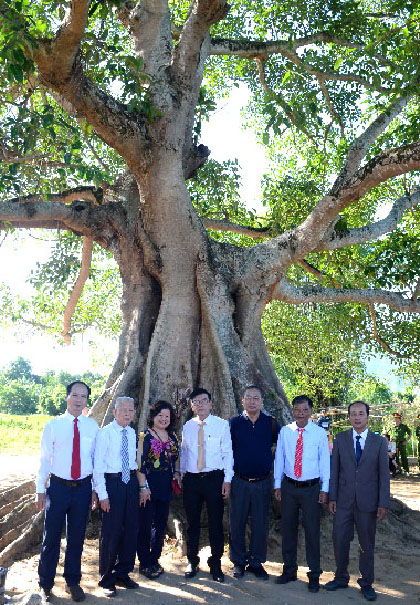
x=116 y=483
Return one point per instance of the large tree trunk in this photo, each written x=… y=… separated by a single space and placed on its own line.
x=187 y=320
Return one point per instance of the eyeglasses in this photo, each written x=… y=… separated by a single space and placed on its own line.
x=201 y=401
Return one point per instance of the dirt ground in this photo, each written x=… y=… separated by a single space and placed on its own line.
x=397 y=565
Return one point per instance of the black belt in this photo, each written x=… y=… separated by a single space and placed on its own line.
x=301 y=483
x=252 y=479
x=202 y=475
x=71 y=482
x=114 y=475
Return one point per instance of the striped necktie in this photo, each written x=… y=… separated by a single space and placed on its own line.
x=125 y=474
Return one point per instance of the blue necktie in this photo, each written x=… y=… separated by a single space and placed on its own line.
x=125 y=474
x=358 y=448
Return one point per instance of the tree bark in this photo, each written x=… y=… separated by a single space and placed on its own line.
x=185 y=324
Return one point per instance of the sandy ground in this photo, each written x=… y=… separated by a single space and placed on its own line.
x=397 y=567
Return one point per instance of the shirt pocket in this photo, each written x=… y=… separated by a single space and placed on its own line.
x=86 y=446
x=212 y=451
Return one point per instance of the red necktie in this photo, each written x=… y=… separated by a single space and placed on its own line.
x=75 y=457
x=298 y=455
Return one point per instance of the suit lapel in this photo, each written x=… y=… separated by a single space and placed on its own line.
x=368 y=445
x=350 y=443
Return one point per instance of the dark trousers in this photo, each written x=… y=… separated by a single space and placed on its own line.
x=199 y=488
x=152 y=525
x=70 y=505
x=249 y=498
x=402 y=459
x=294 y=499
x=119 y=527
x=343 y=533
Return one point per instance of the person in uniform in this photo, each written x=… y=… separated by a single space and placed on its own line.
x=400 y=434
x=253 y=435
x=417 y=433
x=115 y=480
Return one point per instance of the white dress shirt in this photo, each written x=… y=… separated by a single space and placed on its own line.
x=217 y=446
x=362 y=440
x=57 y=448
x=315 y=455
x=108 y=454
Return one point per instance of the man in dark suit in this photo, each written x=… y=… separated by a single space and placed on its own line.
x=359 y=495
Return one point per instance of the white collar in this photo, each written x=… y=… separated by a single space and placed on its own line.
x=363 y=435
x=295 y=427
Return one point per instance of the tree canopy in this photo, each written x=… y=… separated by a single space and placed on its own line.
x=100 y=135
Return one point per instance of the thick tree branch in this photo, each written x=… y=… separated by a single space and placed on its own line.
x=254 y=232
x=77 y=288
x=352 y=237
x=61 y=70
x=90 y=194
x=250 y=49
x=286 y=292
x=102 y=223
x=380 y=340
x=316 y=225
x=149 y=25
x=66 y=43
x=202 y=14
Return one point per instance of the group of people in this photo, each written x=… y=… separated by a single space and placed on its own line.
x=132 y=481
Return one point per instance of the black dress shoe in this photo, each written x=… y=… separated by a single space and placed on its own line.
x=335 y=585
x=369 y=593
x=313 y=585
x=109 y=591
x=45 y=594
x=191 y=570
x=238 y=571
x=285 y=578
x=76 y=591
x=258 y=571
x=126 y=582
x=217 y=573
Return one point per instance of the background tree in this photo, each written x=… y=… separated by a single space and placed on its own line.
x=100 y=131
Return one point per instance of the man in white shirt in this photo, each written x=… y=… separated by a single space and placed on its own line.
x=66 y=459
x=359 y=496
x=301 y=477
x=207 y=468
x=116 y=484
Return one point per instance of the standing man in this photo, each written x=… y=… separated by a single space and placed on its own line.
x=324 y=421
x=115 y=480
x=418 y=441
x=301 y=477
x=207 y=467
x=67 y=448
x=253 y=435
x=400 y=433
x=359 y=495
